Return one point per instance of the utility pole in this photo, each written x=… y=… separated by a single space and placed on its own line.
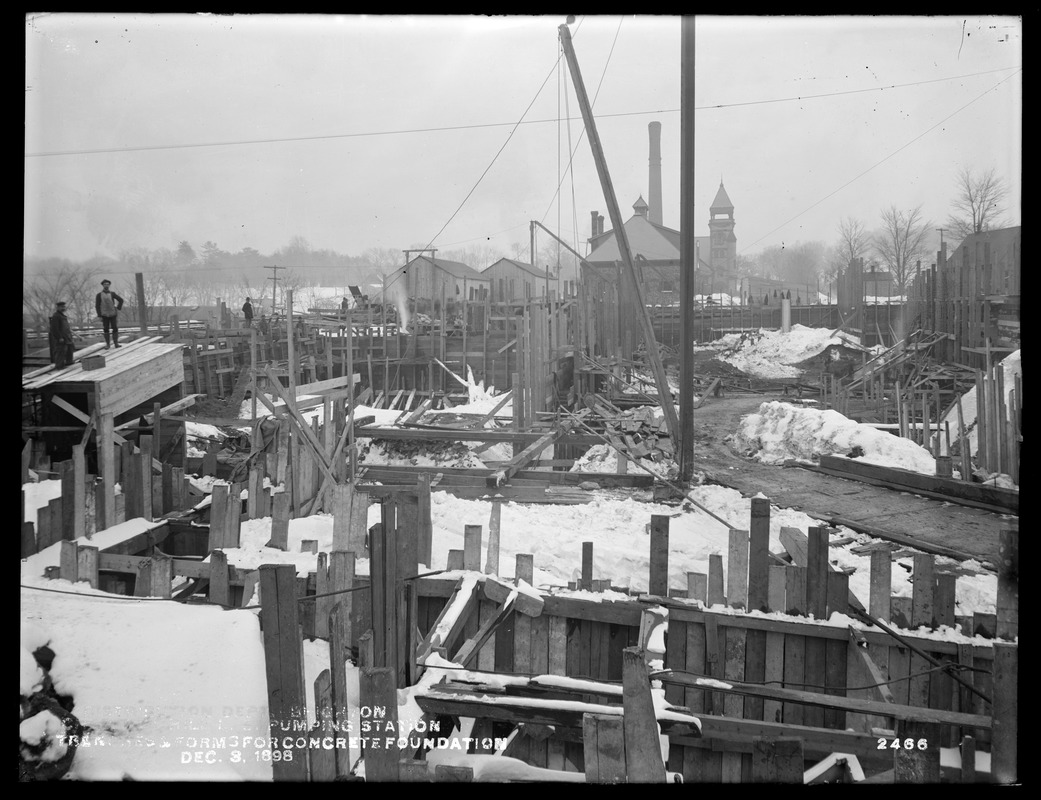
x=274 y=289
x=627 y=268
x=684 y=448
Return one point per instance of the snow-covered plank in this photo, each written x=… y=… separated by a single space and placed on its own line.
x=130 y=536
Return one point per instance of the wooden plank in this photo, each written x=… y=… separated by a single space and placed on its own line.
x=604 y=748
x=378 y=689
x=339 y=625
x=1008 y=585
x=219 y=579
x=737 y=569
x=951 y=489
x=817 y=571
x=914 y=765
x=491 y=566
x=659 y=555
x=774 y=645
x=715 y=580
x=322 y=760
x=675 y=658
x=1005 y=714
x=283 y=658
x=821 y=700
x=758 y=554
x=472 y=547
x=777 y=760
x=881 y=584
x=586 y=580
x=643 y=753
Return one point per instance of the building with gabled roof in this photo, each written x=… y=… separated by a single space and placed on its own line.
x=517 y=280
x=426 y=280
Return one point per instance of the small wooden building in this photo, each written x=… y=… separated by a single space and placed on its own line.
x=427 y=280
x=133 y=378
x=518 y=280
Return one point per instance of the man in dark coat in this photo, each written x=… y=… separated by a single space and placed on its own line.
x=60 y=337
x=247 y=312
x=108 y=304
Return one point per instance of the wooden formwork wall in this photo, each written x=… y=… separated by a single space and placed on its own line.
x=745 y=650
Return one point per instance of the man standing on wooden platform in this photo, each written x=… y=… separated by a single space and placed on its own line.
x=60 y=337
x=108 y=305
x=247 y=312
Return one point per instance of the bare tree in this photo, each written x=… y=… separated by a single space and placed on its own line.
x=854 y=241
x=978 y=203
x=383 y=259
x=901 y=241
x=76 y=284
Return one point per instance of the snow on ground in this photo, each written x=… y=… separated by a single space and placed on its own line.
x=150 y=679
x=781 y=431
x=1012 y=366
x=773 y=355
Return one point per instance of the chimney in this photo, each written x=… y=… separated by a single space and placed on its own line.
x=600 y=224
x=654 y=181
x=593 y=215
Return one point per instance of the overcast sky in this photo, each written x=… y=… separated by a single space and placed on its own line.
x=357 y=132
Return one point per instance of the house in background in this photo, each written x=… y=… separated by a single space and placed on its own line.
x=656 y=248
x=425 y=280
x=656 y=256
x=513 y=280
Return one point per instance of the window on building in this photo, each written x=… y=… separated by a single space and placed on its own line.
x=667 y=286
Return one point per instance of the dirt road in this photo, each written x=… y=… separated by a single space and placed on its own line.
x=933 y=525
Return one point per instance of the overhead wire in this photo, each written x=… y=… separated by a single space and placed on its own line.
x=477 y=126
x=494 y=158
x=880 y=162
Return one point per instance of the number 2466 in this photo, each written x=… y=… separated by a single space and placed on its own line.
x=902 y=744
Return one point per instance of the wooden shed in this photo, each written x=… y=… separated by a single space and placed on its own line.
x=427 y=280
x=132 y=379
x=517 y=280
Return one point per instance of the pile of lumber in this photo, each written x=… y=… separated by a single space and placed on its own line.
x=637 y=432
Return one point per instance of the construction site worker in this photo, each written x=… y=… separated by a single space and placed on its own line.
x=108 y=305
x=60 y=337
x=247 y=312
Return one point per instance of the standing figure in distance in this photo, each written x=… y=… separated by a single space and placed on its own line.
x=108 y=305
x=60 y=337
x=247 y=312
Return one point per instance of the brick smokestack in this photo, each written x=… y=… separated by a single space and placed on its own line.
x=600 y=224
x=654 y=182
x=593 y=226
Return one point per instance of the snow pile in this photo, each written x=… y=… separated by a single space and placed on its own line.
x=149 y=678
x=781 y=431
x=772 y=354
x=481 y=400
x=1012 y=365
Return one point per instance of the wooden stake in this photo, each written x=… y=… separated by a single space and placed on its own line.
x=643 y=751
x=1004 y=738
x=472 y=547
x=283 y=659
x=737 y=569
x=658 y=583
x=491 y=566
x=1008 y=585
